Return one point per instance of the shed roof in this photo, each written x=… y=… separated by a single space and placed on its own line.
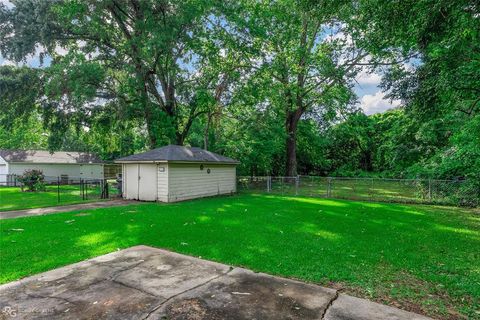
x=174 y=153
x=42 y=156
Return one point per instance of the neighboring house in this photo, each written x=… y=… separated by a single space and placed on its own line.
x=62 y=164
x=175 y=173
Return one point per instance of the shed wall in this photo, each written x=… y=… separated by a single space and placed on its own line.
x=162 y=181
x=187 y=181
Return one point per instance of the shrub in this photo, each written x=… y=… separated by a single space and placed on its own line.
x=34 y=180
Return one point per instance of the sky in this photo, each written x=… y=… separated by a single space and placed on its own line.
x=371 y=98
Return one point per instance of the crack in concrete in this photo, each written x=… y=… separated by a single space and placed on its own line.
x=117 y=273
x=330 y=303
x=38 y=296
x=134 y=288
x=185 y=291
x=106 y=263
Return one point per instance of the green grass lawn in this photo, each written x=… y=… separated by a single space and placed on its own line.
x=12 y=198
x=421 y=258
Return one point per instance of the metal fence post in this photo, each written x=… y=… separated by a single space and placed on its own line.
x=58 y=189
x=329 y=187
x=81 y=189
x=311 y=185
x=297 y=180
x=429 y=189
x=103 y=189
x=371 y=190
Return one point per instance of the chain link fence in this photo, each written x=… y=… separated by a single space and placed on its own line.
x=55 y=191
x=428 y=191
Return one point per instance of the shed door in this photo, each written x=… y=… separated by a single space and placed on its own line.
x=147 y=182
x=131 y=181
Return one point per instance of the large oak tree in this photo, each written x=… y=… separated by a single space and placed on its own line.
x=133 y=59
x=302 y=48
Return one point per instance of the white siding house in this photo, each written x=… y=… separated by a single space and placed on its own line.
x=176 y=173
x=69 y=165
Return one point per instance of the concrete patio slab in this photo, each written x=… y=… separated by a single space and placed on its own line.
x=148 y=283
x=348 y=307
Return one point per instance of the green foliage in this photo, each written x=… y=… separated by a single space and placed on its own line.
x=147 y=61
x=255 y=138
x=33 y=180
x=311 y=151
x=24 y=134
x=435 y=134
x=19 y=91
x=307 y=72
x=398 y=146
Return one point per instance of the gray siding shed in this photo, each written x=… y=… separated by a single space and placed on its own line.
x=176 y=173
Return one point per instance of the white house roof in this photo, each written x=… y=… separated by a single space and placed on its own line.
x=173 y=153
x=42 y=156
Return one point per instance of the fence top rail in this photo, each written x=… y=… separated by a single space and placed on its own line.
x=60 y=177
x=352 y=178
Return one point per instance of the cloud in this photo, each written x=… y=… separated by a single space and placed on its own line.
x=61 y=51
x=5 y=62
x=31 y=60
x=365 y=78
x=372 y=99
x=376 y=103
x=6 y=3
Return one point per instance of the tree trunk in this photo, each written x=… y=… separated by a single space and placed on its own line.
x=207 y=131
x=180 y=139
x=152 y=137
x=291 y=168
x=291 y=142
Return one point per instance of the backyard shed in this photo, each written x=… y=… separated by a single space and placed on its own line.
x=174 y=173
x=61 y=164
